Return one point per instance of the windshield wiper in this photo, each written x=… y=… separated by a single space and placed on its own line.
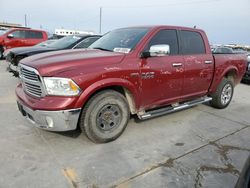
x=98 y=48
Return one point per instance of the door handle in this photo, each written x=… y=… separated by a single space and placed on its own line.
x=208 y=62
x=177 y=64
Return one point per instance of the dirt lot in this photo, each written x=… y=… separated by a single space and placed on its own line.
x=198 y=147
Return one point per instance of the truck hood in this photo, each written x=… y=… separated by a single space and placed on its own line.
x=26 y=51
x=53 y=63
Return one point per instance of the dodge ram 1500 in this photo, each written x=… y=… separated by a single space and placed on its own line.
x=148 y=71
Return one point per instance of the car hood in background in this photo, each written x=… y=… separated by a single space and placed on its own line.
x=26 y=51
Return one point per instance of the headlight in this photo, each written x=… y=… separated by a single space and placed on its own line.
x=248 y=66
x=61 y=86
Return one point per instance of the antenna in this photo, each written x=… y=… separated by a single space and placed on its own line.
x=100 y=23
x=25 y=20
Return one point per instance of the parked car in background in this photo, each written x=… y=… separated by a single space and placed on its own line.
x=20 y=37
x=222 y=50
x=147 y=71
x=70 y=42
x=246 y=77
x=44 y=43
x=55 y=36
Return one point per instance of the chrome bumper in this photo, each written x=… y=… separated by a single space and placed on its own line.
x=13 y=68
x=63 y=120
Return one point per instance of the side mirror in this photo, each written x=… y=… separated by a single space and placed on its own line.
x=157 y=50
x=10 y=36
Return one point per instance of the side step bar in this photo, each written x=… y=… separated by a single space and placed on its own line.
x=170 y=109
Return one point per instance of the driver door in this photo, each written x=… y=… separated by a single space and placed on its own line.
x=162 y=76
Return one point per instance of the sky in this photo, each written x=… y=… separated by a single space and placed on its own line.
x=225 y=21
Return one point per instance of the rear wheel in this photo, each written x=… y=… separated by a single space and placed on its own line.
x=223 y=95
x=1 y=52
x=105 y=116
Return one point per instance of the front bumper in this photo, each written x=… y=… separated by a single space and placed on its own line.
x=63 y=120
x=13 y=68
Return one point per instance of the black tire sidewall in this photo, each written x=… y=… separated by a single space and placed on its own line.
x=90 y=125
x=216 y=102
x=1 y=52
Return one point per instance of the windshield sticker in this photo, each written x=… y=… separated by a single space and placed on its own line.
x=122 y=50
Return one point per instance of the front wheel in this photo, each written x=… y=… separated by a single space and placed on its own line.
x=223 y=95
x=105 y=116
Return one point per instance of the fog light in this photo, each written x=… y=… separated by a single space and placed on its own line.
x=50 y=122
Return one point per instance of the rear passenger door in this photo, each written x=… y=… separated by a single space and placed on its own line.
x=198 y=64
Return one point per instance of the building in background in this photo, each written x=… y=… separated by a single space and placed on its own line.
x=65 y=32
x=6 y=25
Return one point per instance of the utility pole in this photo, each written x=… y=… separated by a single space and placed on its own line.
x=25 y=20
x=100 y=21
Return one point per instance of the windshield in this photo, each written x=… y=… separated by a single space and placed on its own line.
x=120 y=40
x=64 y=42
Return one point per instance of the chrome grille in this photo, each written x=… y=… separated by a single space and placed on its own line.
x=31 y=81
x=30 y=75
x=33 y=89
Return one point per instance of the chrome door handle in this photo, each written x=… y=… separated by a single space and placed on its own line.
x=177 y=64
x=208 y=62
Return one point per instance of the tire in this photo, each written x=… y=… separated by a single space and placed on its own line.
x=1 y=52
x=105 y=116
x=223 y=95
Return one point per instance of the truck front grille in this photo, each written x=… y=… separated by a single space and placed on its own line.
x=31 y=81
x=30 y=75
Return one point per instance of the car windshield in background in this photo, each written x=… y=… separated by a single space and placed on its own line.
x=120 y=40
x=46 y=43
x=64 y=42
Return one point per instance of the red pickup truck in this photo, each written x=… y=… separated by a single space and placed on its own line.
x=20 y=37
x=148 y=71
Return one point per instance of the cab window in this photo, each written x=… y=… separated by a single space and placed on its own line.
x=18 y=34
x=168 y=36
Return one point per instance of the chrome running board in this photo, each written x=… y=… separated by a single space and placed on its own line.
x=170 y=109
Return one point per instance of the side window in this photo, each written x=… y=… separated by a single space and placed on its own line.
x=165 y=37
x=18 y=34
x=33 y=35
x=86 y=42
x=192 y=43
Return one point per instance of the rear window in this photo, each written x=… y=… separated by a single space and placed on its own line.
x=192 y=43
x=34 y=35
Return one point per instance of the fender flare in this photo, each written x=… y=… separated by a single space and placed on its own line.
x=105 y=83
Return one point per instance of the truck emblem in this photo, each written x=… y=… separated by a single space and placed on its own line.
x=148 y=75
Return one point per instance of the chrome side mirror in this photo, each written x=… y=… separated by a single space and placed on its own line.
x=10 y=36
x=159 y=50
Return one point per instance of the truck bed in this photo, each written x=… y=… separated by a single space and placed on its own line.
x=225 y=62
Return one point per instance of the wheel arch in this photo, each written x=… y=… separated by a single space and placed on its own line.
x=230 y=73
x=127 y=89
